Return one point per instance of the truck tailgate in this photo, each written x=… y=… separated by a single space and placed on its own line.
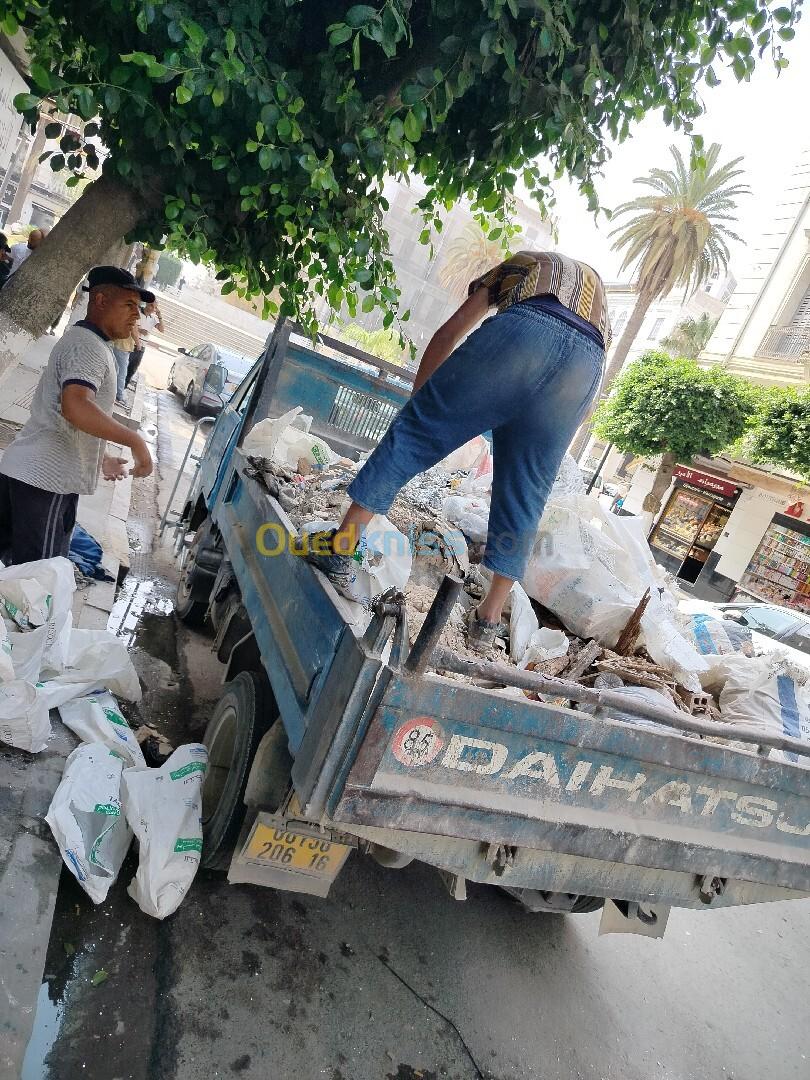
x=452 y=760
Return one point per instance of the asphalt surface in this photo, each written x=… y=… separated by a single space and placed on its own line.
x=389 y=978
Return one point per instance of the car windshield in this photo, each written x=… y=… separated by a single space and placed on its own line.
x=238 y=366
x=768 y=620
x=215 y=378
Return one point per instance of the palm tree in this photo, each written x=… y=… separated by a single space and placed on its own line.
x=469 y=255
x=678 y=236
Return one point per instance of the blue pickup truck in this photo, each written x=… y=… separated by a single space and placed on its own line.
x=327 y=739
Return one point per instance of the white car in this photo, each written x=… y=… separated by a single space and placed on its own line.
x=206 y=376
x=772 y=628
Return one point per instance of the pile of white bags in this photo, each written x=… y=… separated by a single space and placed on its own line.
x=97 y=719
x=44 y=661
x=286 y=440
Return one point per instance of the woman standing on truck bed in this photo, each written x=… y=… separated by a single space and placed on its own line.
x=528 y=374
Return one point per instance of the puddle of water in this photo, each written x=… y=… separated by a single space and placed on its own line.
x=47 y=1021
x=136 y=596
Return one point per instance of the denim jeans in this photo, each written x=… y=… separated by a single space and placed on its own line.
x=121 y=362
x=526 y=376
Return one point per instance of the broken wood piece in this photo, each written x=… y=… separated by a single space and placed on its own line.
x=583 y=660
x=628 y=639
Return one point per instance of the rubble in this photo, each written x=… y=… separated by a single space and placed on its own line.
x=613 y=655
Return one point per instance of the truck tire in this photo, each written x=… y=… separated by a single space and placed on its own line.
x=194 y=587
x=243 y=715
x=543 y=903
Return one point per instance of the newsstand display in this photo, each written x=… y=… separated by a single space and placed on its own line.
x=779 y=570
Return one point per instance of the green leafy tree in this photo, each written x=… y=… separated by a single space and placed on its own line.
x=781 y=431
x=690 y=337
x=257 y=136
x=675 y=409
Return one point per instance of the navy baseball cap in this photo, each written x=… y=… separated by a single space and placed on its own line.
x=116 y=275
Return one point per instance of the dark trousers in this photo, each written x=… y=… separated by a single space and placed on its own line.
x=34 y=524
x=135 y=358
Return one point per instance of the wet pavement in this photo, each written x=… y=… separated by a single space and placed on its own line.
x=389 y=978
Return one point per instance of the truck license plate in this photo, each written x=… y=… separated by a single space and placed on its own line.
x=290 y=850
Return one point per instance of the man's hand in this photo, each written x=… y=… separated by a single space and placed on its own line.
x=142 y=459
x=114 y=468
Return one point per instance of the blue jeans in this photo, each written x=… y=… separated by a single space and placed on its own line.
x=121 y=362
x=527 y=376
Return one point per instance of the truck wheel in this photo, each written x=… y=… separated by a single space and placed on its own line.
x=549 y=903
x=194 y=586
x=243 y=715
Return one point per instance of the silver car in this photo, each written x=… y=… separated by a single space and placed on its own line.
x=206 y=376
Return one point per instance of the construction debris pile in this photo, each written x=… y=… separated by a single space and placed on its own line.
x=593 y=607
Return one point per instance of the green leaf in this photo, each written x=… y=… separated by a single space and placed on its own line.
x=194 y=32
x=69 y=949
x=782 y=15
x=41 y=77
x=356 y=52
x=57 y=162
x=413 y=129
x=112 y=99
x=266 y=158
x=217 y=97
x=360 y=15
x=72 y=181
x=368 y=303
x=251 y=146
x=183 y=95
x=230 y=40
x=26 y=102
x=284 y=128
x=100 y=977
x=221 y=161
x=341 y=33
x=53 y=131
x=787 y=33
x=10 y=25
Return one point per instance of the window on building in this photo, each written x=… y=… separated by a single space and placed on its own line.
x=656 y=330
x=618 y=324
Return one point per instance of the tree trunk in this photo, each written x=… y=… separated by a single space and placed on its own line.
x=28 y=170
x=663 y=478
x=617 y=361
x=36 y=295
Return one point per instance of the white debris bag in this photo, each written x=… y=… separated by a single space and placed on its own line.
x=163 y=807
x=37 y=597
x=24 y=719
x=718 y=637
x=523 y=622
x=97 y=719
x=97 y=660
x=647 y=695
x=591 y=569
x=382 y=561
x=285 y=441
x=767 y=693
x=6 y=665
x=86 y=820
x=469 y=456
x=470 y=513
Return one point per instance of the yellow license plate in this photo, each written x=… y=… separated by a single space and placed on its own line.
x=289 y=850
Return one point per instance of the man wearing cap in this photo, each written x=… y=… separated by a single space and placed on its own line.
x=59 y=453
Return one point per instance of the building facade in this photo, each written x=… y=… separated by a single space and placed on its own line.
x=764 y=333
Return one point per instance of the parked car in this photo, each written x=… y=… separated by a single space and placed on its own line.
x=773 y=628
x=206 y=376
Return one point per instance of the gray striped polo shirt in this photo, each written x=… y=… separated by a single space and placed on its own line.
x=50 y=453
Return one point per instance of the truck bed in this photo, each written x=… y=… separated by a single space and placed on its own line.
x=493 y=786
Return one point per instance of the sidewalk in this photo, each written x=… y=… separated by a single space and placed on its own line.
x=30 y=863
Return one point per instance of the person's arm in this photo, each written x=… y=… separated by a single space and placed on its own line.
x=136 y=337
x=450 y=333
x=79 y=408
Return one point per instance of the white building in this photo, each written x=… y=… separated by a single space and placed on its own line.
x=764 y=333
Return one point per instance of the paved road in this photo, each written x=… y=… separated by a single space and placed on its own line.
x=390 y=979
